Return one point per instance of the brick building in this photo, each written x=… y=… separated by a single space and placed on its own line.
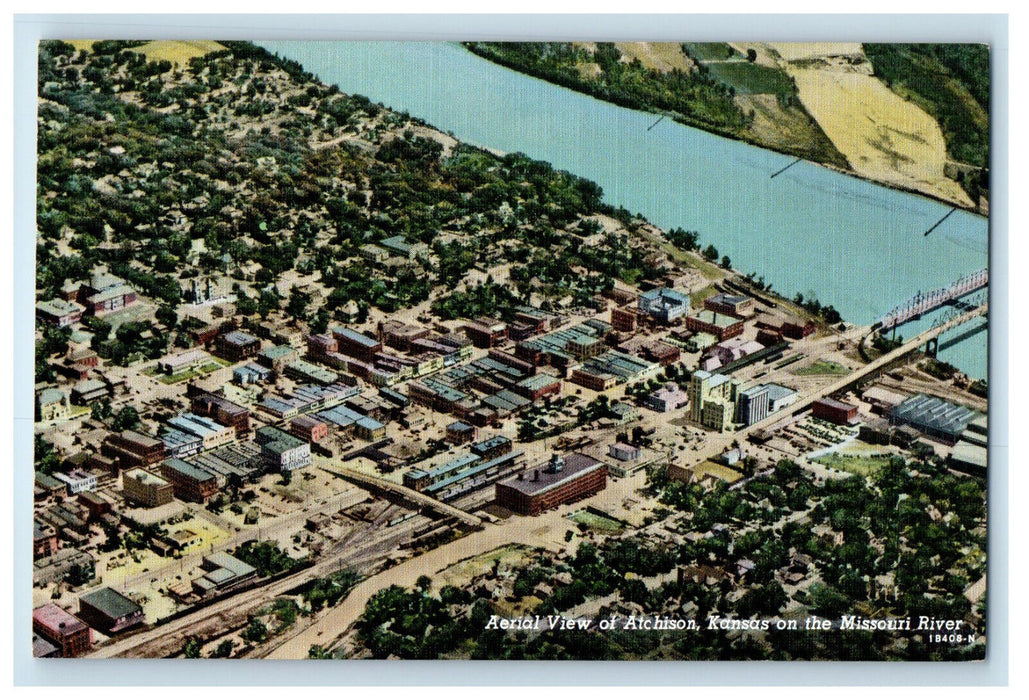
x=71 y=635
x=188 y=482
x=834 y=411
x=133 y=449
x=237 y=345
x=564 y=480
x=144 y=488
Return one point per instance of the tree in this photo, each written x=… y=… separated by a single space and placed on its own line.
x=100 y=410
x=711 y=253
x=726 y=262
x=224 y=649
x=126 y=419
x=751 y=55
x=423 y=583
x=256 y=632
x=191 y=649
x=167 y=316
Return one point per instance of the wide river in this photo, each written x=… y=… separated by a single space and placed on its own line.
x=842 y=240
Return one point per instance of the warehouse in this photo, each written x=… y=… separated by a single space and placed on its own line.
x=109 y=611
x=933 y=416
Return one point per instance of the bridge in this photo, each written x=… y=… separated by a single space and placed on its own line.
x=924 y=302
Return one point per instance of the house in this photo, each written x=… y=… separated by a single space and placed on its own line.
x=53 y=405
x=109 y=611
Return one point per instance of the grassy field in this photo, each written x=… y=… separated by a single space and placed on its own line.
x=751 y=78
x=822 y=367
x=709 y=51
x=596 y=522
x=860 y=464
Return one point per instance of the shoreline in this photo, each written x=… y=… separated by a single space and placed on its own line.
x=741 y=138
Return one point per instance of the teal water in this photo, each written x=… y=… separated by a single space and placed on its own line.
x=847 y=242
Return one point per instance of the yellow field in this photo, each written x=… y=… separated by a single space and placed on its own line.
x=177 y=51
x=174 y=51
x=883 y=136
x=662 y=57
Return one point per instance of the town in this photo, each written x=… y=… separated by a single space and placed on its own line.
x=260 y=403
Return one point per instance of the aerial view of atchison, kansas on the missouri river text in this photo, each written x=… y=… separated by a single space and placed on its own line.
x=426 y=350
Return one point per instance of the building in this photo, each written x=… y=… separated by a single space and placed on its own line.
x=623 y=452
x=58 y=312
x=834 y=411
x=180 y=444
x=624 y=320
x=224 y=573
x=56 y=567
x=77 y=481
x=660 y=352
x=882 y=400
x=492 y=447
x=146 y=489
x=303 y=371
x=374 y=253
x=281 y=451
x=69 y=633
x=668 y=398
x=205 y=403
x=459 y=433
x=109 y=611
x=277 y=357
x=486 y=332
x=211 y=433
x=105 y=293
x=190 y=360
x=779 y=397
x=934 y=417
x=89 y=390
x=53 y=405
x=712 y=400
x=44 y=540
x=237 y=346
x=727 y=352
x=355 y=344
x=797 y=329
x=251 y=374
x=190 y=483
x=664 y=304
x=309 y=428
x=722 y=326
x=733 y=305
x=752 y=405
x=537 y=386
x=400 y=246
x=563 y=480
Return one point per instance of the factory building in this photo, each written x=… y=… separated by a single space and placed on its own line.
x=564 y=480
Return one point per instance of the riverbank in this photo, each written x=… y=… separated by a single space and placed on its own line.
x=795 y=99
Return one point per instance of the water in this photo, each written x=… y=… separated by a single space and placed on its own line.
x=844 y=241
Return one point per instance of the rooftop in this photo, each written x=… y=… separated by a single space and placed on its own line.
x=541 y=480
x=110 y=602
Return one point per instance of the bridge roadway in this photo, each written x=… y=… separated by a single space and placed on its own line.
x=921 y=303
x=380 y=484
x=862 y=372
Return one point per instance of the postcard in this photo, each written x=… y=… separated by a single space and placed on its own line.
x=493 y=350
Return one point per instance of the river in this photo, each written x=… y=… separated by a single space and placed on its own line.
x=847 y=242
